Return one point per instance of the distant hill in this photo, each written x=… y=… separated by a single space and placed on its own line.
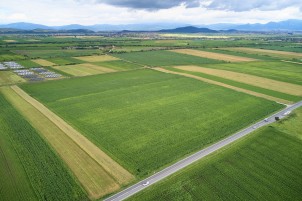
x=188 y=29
x=288 y=25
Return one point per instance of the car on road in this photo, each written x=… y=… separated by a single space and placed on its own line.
x=146 y=183
x=266 y=119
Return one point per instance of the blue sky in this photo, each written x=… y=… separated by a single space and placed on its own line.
x=88 y=12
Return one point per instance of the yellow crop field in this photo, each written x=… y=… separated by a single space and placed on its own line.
x=7 y=78
x=97 y=58
x=266 y=83
x=84 y=69
x=97 y=172
x=213 y=55
x=43 y=62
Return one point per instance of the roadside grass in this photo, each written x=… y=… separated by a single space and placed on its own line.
x=29 y=169
x=281 y=71
x=262 y=166
x=261 y=90
x=83 y=69
x=164 y=58
x=213 y=55
x=146 y=119
x=8 y=78
x=91 y=174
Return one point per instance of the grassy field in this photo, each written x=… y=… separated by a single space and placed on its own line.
x=97 y=58
x=164 y=58
x=283 y=87
x=44 y=53
x=28 y=166
x=43 y=62
x=213 y=55
x=263 y=166
x=281 y=71
x=273 y=53
x=84 y=163
x=83 y=69
x=64 y=61
x=274 y=95
x=28 y=63
x=8 y=77
x=173 y=115
x=119 y=65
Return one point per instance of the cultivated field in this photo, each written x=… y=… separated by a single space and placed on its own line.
x=83 y=69
x=7 y=78
x=64 y=61
x=273 y=53
x=263 y=166
x=213 y=55
x=29 y=169
x=90 y=165
x=119 y=65
x=97 y=58
x=173 y=115
x=266 y=83
x=28 y=63
x=164 y=58
x=43 y=62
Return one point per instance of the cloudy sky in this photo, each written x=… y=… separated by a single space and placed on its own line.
x=88 y=12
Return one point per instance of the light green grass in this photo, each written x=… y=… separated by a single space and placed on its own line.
x=29 y=170
x=263 y=166
x=28 y=63
x=8 y=78
x=119 y=65
x=146 y=119
x=164 y=58
x=65 y=61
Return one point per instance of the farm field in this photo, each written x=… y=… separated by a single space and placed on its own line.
x=45 y=53
x=263 y=166
x=119 y=65
x=83 y=69
x=280 y=71
x=7 y=78
x=97 y=58
x=266 y=83
x=273 y=53
x=213 y=55
x=43 y=62
x=29 y=169
x=164 y=58
x=238 y=86
x=174 y=116
x=28 y=63
x=83 y=163
x=64 y=61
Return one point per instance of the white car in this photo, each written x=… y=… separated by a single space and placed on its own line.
x=266 y=119
x=146 y=184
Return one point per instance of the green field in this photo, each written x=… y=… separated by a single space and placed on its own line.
x=263 y=166
x=28 y=63
x=8 y=77
x=29 y=167
x=118 y=65
x=164 y=58
x=61 y=61
x=146 y=119
x=242 y=85
x=282 y=71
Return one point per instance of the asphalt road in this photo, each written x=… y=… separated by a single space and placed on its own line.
x=198 y=155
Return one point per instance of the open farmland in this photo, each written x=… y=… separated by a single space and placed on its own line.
x=43 y=62
x=164 y=58
x=273 y=53
x=173 y=115
x=213 y=55
x=266 y=83
x=45 y=53
x=28 y=63
x=263 y=166
x=83 y=69
x=98 y=174
x=8 y=77
x=29 y=169
x=97 y=58
x=119 y=65
x=64 y=61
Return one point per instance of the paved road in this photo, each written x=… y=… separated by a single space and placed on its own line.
x=200 y=154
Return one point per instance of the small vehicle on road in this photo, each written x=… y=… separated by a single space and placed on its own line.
x=266 y=119
x=146 y=183
x=286 y=113
x=254 y=127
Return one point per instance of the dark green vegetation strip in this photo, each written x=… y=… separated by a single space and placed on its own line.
x=146 y=119
x=264 y=166
x=65 y=61
x=282 y=71
x=28 y=63
x=242 y=85
x=164 y=58
x=29 y=170
x=119 y=65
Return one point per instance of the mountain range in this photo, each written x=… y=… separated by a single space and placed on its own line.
x=288 y=25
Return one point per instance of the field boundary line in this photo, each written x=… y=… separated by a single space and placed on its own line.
x=121 y=175
x=279 y=100
x=293 y=62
